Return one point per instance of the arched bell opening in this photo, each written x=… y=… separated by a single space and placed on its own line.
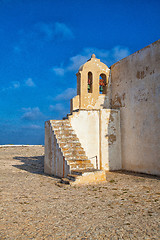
x=90 y=82
x=102 y=84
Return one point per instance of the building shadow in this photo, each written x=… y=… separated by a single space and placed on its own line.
x=34 y=164
x=136 y=174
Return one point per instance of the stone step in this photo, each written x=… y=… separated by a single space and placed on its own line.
x=73 y=152
x=70 y=137
x=77 y=148
x=65 y=181
x=71 y=177
x=70 y=145
x=64 y=132
x=75 y=166
x=66 y=120
x=75 y=173
x=63 y=128
x=65 y=135
x=80 y=172
x=67 y=141
x=57 y=124
x=74 y=157
x=60 y=124
x=79 y=161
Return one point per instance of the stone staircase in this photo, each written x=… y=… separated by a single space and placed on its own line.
x=73 y=153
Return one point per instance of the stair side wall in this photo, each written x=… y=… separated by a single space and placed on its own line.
x=48 y=149
x=54 y=163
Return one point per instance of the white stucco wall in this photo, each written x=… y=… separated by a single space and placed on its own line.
x=136 y=91
x=86 y=125
x=110 y=139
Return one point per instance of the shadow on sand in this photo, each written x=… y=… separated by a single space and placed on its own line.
x=136 y=174
x=33 y=164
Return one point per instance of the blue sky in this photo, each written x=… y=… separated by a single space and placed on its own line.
x=42 y=45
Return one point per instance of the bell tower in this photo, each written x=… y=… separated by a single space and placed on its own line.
x=93 y=86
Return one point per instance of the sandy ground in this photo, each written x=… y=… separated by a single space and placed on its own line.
x=126 y=206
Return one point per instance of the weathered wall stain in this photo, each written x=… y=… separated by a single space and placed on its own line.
x=111 y=139
x=111 y=119
x=142 y=95
x=142 y=74
x=119 y=100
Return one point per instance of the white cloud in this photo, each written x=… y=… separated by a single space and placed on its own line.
x=32 y=114
x=59 y=107
x=32 y=126
x=109 y=57
x=29 y=82
x=50 y=31
x=16 y=84
x=40 y=34
x=46 y=30
x=61 y=30
x=77 y=61
x=58 y=71
x=118 y=53
x=13 y=85
x=67 y=94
